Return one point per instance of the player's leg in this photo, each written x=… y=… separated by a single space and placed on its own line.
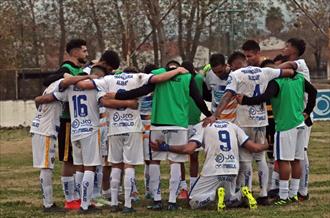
x=303 y=185
x=203 y=191
x=106 y=191
x=91 y=157
x=116 y=158
x=175 y=137
x=183 y=193
x=133 y=155
x=193 y=168
x=147 y=153
x=154 y=170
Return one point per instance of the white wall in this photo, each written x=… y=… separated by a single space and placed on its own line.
x=15 y=113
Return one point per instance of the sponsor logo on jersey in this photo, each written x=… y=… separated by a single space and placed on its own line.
x=120 y=117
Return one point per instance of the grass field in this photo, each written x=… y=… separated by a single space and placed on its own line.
x=20 y=194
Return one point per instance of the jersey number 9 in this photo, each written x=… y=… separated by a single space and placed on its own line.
x=224 y=138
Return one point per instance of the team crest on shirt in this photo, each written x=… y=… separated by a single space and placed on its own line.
x=75 y=124
x=219 y=158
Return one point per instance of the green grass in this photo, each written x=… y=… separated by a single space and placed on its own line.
x=20 y=194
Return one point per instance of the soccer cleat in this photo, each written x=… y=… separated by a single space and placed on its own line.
x=114 y=208
x=101 y=201
x=183 y=195
x=72 y=205
x=53 y=209
x=157 y=205
x=273 y=193
x=303 y=197
x=263 y=201
x=294 y=199
x=282 y=202
x=173 y=207
x=221 y=199
x=135 y=196
x=248 y=195
x=148 y=196
x=128 y=210
x=90 y=209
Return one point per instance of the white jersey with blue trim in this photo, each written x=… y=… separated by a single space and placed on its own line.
x=145 y=104
x=221 y=142
x=84 y=111
x=251 y=81
x=47 y=120
x=122 y=120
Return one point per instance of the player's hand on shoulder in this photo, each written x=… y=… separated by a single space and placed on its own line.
x=154 y=145
x=209 y=120
x=182 y=70
x=93 y=76
x=239 y=98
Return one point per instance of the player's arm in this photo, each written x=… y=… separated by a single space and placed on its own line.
x=113 y=103
x=272 y=90
x=44 y=99
x=58 y=75
x=288 y=65
x=207 y=95
x=168 y=75
x=311 y=101
x=86 y=84
x=72 y=80
x=183 y=149
x=198 y=99
x=134 y=93
x=254 y=147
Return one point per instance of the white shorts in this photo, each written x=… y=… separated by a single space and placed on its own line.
x=258 y=135
x=210 y=184
x=289 y=145
x=126 y=148
x=43 y=150
x=86 y=151
x=307 y=133
x=171 y=137
x=104 y=140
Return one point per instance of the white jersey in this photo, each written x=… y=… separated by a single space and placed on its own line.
x=251 y=81
x=47 y=119
x=123 y=120
x=145 y=104
x=217 y=87
x=84 y=111
x=221 y=142
x=302 y=68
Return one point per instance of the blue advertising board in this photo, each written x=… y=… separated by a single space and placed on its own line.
x=322 y=106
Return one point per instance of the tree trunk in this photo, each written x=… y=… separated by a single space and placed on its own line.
x=96 y=22
x=62 y=30
x=155 y=47
x=180 y=32
x=34 y=34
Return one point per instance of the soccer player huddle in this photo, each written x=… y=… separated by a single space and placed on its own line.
x=108 y=121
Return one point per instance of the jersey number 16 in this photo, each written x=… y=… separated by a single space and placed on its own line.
x=79 y=107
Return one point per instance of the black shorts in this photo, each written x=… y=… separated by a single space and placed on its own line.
x=64 y=141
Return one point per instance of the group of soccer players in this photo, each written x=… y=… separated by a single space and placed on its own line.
x=107 y=121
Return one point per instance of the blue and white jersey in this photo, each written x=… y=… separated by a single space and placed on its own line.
x=84 y=111
x=221 y=142
x=145 y=104
x=47 y=120
x=122 y=120
x=217 y=87
x=251 y=81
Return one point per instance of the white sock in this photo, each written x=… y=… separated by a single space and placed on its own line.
x=294 y=186
x=129 y=183
x=114 y=184
x=46 y=187
x=270 y=165
x=244 y=175
x=175 y=177
x=275 y=180
x=78 y=177
x=303 y=184
x=201 y=200
x=87 y=189
x=183 y=185
x=98 y=182
x=68 y=187
x=284 y=189
x=263 y=172
x=154 y=172
x=146 y=178
x=192 y=182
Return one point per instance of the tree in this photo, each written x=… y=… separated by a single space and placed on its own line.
x=274 y=20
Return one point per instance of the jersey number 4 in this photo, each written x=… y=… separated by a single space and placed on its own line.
x=224 y=138
x=79 y=106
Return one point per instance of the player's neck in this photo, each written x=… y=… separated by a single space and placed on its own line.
x=292 y=58
x=75 y=61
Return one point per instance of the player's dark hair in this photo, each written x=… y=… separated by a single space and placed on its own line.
x=266 y=63
x=172 y=62
x=217 y=59
x=298 y=44
x=189 y=66
x=251 y=45
x=131 y=69
x=75 y=43
x=149 y=67
x=111 y=58
x=236 y=55
x=280 y=57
